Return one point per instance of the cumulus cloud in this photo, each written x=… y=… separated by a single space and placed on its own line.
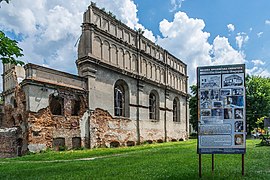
x=230 y=27
x=241 y=38
x=50 y=29
x=186 y=39
x=223 y=52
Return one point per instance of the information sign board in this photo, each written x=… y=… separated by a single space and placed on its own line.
x=221 y=109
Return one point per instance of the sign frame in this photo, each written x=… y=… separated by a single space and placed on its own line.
x=221 y=109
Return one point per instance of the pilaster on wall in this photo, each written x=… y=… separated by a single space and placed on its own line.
x=87 y=68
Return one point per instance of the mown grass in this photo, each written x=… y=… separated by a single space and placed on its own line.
x=177 y=160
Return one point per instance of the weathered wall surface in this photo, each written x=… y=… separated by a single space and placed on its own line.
x=44 y=127
x=10 y=145
x=107 y=131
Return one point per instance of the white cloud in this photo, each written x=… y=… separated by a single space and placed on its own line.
x=176 y=4
x=223 y=52
x=186 y=39
x=259 y=34
x=230 y=27
x=258 y=71
x=257 y=62
x=267 y=22
x=241 y=39
x=50 y=29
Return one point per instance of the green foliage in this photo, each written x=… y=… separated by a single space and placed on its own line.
x=177 y=160
x=193 y=106
x=260 y=122
x=9 y=50
x=258 y=100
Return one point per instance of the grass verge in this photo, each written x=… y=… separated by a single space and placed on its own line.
x=177 y=160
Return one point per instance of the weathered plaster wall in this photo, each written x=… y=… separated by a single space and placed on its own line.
x=44 y=127
x=10 y=142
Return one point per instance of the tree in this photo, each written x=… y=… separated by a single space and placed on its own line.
x=193 y=106
x=258 y=100
x=9 y=50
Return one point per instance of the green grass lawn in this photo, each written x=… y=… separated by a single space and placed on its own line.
x=174 y=160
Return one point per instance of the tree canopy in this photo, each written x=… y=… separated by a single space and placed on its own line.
x=193 y=106
x=9 y=50
x=258 y=100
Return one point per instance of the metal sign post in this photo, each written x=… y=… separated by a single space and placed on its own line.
x=221 y=111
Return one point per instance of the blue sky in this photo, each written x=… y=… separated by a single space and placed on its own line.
x=199 y=32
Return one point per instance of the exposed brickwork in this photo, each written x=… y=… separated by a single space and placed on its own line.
x=9 y=138
x=44 y=127
x=106 y=129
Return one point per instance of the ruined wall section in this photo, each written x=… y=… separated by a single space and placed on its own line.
x=45 y=127
x=10 y=145
x=107 y=131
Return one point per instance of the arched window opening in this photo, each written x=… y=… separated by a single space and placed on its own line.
x=176 y=110
x=121 y=99
x=76 y=143
x=153 y=106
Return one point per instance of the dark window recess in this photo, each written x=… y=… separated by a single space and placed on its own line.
x=114 y=144
x=19 y=146
x=152 y=106
x=56 y=105
x=58 y=142
x=75 y=109
x=130 y=143
x=20 y=119
x=36 y=133
x=15 y=103
x=13 y=121
x=119 y=101
x=76 y=142
x=176 y=110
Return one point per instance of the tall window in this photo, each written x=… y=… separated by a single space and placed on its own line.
x=176 y=110
x=121 y=99
x=153 y=106
x=56 y=105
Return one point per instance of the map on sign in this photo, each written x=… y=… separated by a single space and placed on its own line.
x=221 y=109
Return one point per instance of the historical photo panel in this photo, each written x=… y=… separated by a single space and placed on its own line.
x=232 y=80
x=221 y=109
x=210 y=81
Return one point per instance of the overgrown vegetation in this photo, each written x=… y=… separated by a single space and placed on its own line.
x=175 y=160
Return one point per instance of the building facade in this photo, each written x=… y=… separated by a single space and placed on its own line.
x=128 y=90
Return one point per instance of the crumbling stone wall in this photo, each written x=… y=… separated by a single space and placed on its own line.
x=44 y=127
x=16 y=116
x=11 y=142
x=107 y=131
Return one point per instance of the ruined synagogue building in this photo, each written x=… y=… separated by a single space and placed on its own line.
x=128 y=91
